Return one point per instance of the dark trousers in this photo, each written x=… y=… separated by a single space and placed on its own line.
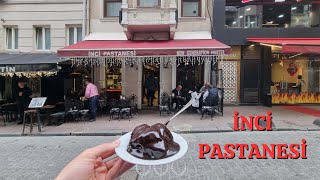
x=21 y=107
x=93 y=102
x=201 y=102
x=150 y=96
x=180 y=101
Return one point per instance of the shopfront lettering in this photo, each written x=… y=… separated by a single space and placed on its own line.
x=94 y=53
x=200 y=52
x=118 y=53
x=4 y=69
x=111 y=53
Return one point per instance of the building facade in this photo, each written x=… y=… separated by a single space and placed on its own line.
x=142 y=25
x=275 y=46
x=31 y=32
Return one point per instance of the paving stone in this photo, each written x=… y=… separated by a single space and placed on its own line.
x=44 y=157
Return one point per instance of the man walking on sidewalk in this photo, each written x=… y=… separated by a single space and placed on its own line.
x=92 y=95
x=22 y=96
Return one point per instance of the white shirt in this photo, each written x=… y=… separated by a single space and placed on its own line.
x=195 y=99
x=205 y=95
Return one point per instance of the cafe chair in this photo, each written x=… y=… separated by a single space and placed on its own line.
x=103 y=103
x=133 y=104
x=213 y=105
x=78 y=110
x=114 y=109
x=125 y=108
x=125 y=112
x=3 y=116
x=164 y=104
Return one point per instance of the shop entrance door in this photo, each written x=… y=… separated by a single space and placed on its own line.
x=250 y=81
x=150 y=79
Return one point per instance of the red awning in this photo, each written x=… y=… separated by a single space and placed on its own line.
x=301 y=49
x=287 y=41
x=118 y=48
x=292 y=45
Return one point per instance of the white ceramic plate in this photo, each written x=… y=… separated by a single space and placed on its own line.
x=123 y=153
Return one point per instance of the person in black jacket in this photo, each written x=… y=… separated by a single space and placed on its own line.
x=151 y=86
x=22 y=97
x=178 y=97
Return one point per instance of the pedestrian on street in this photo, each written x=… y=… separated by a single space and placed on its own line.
x=90 y=164
x=92 y=95
x=151 y=86
x=22 y=97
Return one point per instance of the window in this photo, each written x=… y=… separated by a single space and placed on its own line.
x=112 y=8
x=191 y=8
x=148 y=3
x=11 y=38
x=251 y=21
x=272 y=14
x=74 y=35
x=43 y=38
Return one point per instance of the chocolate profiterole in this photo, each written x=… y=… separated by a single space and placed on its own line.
x=152 y=142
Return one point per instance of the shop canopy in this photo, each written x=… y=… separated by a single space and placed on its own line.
x=27 y=64
x=28 y=58
x=126 y=48
x=292 y=45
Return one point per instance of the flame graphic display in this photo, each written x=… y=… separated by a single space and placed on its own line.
x=302 y=98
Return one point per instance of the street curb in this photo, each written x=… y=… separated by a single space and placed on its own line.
x=179 y=132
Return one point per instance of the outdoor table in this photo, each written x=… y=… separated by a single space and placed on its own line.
x=3 y=101
x=10 y=109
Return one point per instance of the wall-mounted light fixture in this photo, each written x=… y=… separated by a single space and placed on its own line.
x=165 y=65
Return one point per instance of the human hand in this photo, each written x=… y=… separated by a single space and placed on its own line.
x=20 y=93
x=90 y=165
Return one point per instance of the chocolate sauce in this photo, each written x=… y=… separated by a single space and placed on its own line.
x=152 y=142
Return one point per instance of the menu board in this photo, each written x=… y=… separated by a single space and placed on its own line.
x=37 y=102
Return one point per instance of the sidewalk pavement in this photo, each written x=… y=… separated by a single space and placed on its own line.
x=284 y=120
x=43 y=158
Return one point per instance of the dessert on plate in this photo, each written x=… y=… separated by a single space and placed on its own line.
x=152 y=142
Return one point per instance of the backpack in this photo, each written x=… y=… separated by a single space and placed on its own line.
x=211 y=100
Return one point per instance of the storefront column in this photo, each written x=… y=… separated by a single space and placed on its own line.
x=140 y=71
x=207 y=69
x=123 y=78
x=161 y=79
x=174 y=74
x=98 y=77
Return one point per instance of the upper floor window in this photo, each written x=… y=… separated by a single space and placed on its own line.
x=271 y=13
x=112 y=8
x=11 y=38
x=74 y=34
x=191 y=8
x=148 y=3
x=43 y=38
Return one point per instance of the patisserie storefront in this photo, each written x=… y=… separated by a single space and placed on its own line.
x=295 y=79
x=121 y=67
x=295 y=69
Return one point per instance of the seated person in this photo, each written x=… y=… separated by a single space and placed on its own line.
x=178 y=99
x=212 y=96
x=195 y=98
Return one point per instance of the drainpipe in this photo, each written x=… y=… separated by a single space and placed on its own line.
x=84 y=19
